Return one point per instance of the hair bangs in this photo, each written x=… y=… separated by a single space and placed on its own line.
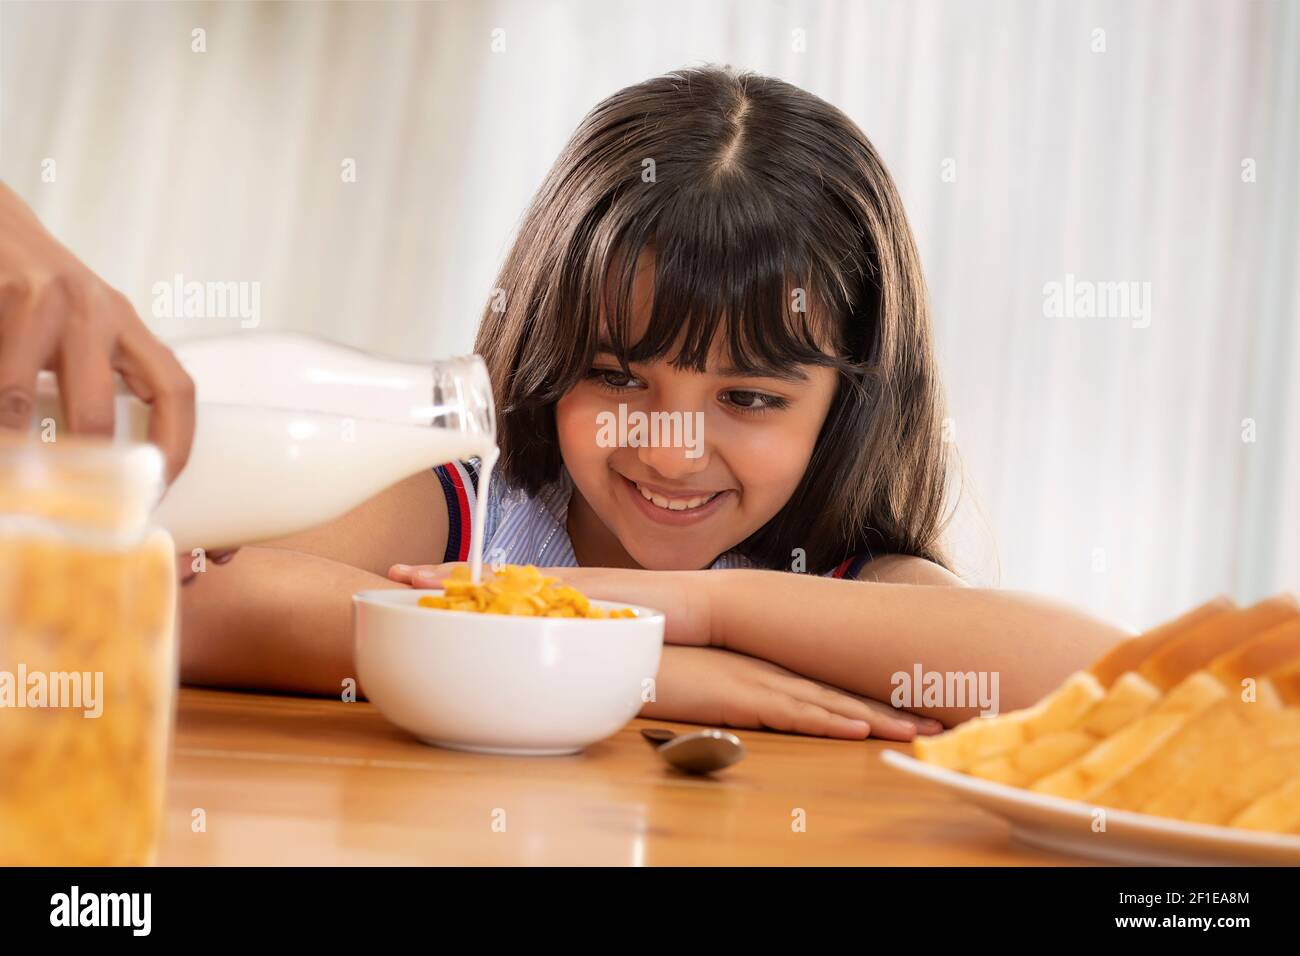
x=717 y=273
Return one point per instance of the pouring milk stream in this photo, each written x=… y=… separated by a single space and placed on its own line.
x=292 y=431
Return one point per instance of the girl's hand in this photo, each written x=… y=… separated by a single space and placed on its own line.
x=681 y=595
x=707 y=685
x=185 y=572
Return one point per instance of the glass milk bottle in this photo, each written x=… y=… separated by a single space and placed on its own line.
x=293 y=431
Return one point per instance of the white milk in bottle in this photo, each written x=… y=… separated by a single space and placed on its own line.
x=292 y=431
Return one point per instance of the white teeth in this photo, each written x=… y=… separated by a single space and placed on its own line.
x=676 y=504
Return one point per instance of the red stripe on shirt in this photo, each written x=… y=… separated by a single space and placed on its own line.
x=462 y=502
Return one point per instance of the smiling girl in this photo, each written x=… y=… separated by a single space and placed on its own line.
x=728 y=247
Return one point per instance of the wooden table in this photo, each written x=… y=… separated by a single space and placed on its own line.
x=287 y=780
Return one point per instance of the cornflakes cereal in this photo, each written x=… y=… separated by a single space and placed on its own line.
x=518 y=590
x=87 y=654
x=78 y=790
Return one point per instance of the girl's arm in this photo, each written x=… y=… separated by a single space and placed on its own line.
x=272 y=620
x=279 y=615
x=858 y=635
x=902 y=613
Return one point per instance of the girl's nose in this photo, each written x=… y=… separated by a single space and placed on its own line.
x=674 y=462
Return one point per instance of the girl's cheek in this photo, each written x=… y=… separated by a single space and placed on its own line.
x=776 y=446
x=769 y=461
x=576 y=424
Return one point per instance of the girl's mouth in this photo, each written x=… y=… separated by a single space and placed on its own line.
x=676 y=510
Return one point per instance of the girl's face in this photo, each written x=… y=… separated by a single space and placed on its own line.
x=741 y=450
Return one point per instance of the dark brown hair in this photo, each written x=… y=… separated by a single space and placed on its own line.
x=749 y=191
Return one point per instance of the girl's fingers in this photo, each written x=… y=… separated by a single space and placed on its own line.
x=880 y=710
x=185 y=572
x=828 y=697
x=430 y=575
x=888 y=726
x=785 y=713
x=885 y=721
x=185 y=563
x=894 y=724
x=929 y=726
x=922 y=725
x=839 y=702
x=426 y=576
x=420 y=575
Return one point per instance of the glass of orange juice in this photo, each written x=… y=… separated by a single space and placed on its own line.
x=87 y=653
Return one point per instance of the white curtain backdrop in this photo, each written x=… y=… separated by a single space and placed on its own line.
x=1107 y=459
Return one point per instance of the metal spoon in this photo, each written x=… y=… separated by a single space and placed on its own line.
x=702 y=752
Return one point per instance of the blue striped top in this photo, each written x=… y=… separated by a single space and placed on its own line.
x=531 y=529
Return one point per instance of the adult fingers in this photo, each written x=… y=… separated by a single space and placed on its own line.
x=28 y=330
x=85 y=370
x=152 y=372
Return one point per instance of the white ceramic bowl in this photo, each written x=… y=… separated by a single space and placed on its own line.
x=503 y=684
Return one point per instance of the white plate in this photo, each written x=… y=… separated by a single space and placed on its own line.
x=1066 y=826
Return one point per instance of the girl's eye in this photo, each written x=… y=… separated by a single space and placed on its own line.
x=741 y=400
x=612 y=378
x=752 y=403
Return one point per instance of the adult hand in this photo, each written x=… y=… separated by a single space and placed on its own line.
x=56 y=314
